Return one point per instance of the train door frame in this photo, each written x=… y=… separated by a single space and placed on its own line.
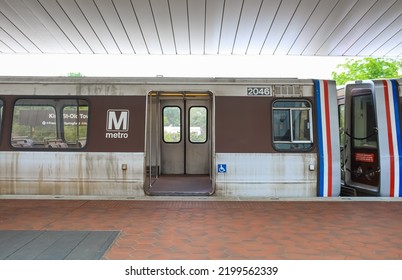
x=364 y=144
x=165 y=177
x=342 y=135
x=385 y=99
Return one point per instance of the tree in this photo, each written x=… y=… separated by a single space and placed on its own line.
x=75 y=74
x=367 y=68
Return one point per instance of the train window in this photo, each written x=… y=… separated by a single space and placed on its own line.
x=171 y=124
x=341 y=117
x=49 y=123
x=198 y=124
x=292 y=128
x=75 y=120
x=32 y=124
x=364 y=124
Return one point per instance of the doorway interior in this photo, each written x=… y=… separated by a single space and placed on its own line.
x=179 y=150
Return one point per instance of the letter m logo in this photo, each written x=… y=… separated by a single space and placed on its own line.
x=117 y=120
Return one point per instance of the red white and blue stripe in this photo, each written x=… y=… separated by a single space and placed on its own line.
x=328 y=139
x=389 y=134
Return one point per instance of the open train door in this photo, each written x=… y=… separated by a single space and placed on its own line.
x=372 y=143
x=179 y=143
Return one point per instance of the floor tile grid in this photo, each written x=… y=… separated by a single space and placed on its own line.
x=228 y=230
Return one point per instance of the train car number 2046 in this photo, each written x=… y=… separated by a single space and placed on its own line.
x=259 y=91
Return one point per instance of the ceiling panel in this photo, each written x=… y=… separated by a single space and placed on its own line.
x=231 y=17
x=4 y=48
x=328 y=25
x=17 y=21
x=196 y=18
x=247 y=22
x=317 y=18
x=59 y=25
x=129 y=21
x=396 y=51
x=80 y=23
x=386 y=37
x=389 y=45
x=9 y=42
x=263 y=25
x=361 y=26
x=227 y=27
x=213 y=24
x=163 y=22
x=376 y=29
x=301 y=16
x=147 y=24
x=178 y=14
x=280 y=25
x=354 y=15
x=114 y=25
x=97 y=22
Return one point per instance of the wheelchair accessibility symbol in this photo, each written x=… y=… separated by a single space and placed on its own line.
x=221 y=168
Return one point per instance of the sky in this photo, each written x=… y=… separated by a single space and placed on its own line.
x=169 y=65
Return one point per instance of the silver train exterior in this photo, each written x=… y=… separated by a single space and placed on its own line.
x=371 y=143
x=136 y=137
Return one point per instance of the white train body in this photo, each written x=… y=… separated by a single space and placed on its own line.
x=135 y=137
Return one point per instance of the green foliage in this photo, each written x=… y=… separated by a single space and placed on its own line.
x=73 y=133
x=197 y=124
x=41 y=128
x=32 y=129
x=367 y=68
x=75 y=74
x=171 y=116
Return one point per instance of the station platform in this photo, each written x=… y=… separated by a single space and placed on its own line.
x=208 y=229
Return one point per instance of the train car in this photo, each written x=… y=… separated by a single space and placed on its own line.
x=137 y=137
x=372 y=137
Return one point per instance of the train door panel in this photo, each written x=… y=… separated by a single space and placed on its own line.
x=363 y=163
x=197 y=141
x=364 y=149
x=172 y=143
x=185 y=143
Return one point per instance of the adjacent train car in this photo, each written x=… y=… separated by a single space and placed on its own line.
x=372 y=154
x=136 y=137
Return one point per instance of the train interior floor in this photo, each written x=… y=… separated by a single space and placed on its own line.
x=186 y=185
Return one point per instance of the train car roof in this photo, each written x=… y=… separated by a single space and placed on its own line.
x=148 y=80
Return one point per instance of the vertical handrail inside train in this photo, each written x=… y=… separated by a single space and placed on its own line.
x=150 y=138
x=153 y=150
x=157 y=132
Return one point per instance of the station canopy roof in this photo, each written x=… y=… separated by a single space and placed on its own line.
x=202 y=27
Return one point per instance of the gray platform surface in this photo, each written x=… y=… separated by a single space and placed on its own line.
x=54 y=245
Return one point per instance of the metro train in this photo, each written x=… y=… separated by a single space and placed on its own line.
x=135 y=137
x=371 y=145
x=138 y=137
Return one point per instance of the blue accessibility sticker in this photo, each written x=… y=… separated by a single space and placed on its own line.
x=221 y=168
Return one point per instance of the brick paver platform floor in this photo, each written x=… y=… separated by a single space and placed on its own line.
x=224 y=230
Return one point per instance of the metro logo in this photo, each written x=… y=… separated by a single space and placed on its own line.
x=117 y=124
x=117 y=120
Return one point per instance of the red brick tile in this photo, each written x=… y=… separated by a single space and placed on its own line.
x=223 y=229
